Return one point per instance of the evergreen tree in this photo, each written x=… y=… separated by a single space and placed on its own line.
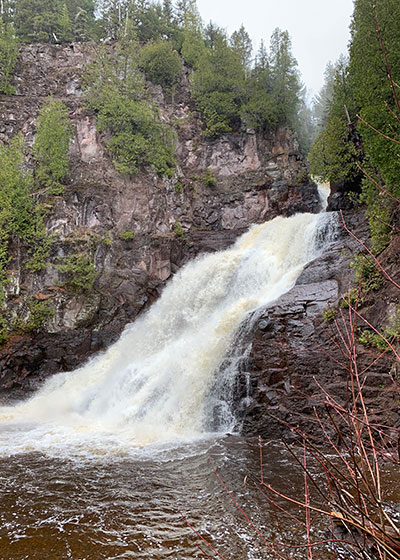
x=192 y=48
x=112 y=15
x=81 y=15
x=39 y=21
x=8 y=57
x=182 y=7
x=65 y=32
x=242 y=46
x=7 y=11
x=54 y=132
x=218 y=87
x=372 y=87
x=286 y=85
x=259 y=111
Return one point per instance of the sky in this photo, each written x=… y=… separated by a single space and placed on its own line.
x=319 y=29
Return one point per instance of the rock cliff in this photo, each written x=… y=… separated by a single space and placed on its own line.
x=258 y=176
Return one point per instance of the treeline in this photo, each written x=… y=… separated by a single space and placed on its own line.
x=231 y=85
x=358 y=115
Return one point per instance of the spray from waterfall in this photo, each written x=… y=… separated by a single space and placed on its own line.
x=154 y=383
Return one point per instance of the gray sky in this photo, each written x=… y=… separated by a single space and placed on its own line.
x=319 y=28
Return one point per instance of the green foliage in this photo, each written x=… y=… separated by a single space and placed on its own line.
x=8 y=57
x=127 y=235
x=39 y=21
x=3 y=330
x=39 y=313
x=19 y=216
x=372 y=340
x=80 y=272
x=54 y=132
x=218 y=87
x=352 y=298
x=179 y=187
x=161 y=65
x=241 y=44
x=329 y=314
x=115 y=91
x=367 y=274
x=286 y=84
x=333 y=156
x=362 y=87
x=178 y=230
x=209 y=178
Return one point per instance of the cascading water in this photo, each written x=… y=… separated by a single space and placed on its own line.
x=153 y=384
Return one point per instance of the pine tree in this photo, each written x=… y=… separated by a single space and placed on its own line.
x=218 y=87
x=65 y=32
x=81 y=15
x=242 y=45
x=286 y=84
x=38 y=21
x=8 y=57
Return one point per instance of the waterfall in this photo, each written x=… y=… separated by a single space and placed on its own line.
x=152 y=385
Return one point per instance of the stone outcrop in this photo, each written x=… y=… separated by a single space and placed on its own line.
x=257 y=177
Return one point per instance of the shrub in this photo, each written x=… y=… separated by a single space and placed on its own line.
x=80 y=272
x=329 y=314
x=161 y=65
x=19 y=216
x=127 y=235
x=178 y=230
x=209 y=178
x=54 y=132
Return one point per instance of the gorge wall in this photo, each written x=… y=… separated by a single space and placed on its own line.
x=258 y=176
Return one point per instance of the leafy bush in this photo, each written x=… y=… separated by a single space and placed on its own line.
x=54 y=132
x=161 y=64
x=80 y=272
x=8 y=57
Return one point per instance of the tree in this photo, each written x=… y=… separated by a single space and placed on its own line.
x=372 y=88
x=241 y=44
x=161 y=65
x=192 y=43
x=218 y=87
x=8 y=57
x=81 y=15
x=335 y=153
x=65 y=32
x=39 y=21
x=54 y=132
x=286 y=84
x=260 y=111
x=112 y=15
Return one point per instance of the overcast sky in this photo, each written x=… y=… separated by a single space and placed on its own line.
x=319 y=28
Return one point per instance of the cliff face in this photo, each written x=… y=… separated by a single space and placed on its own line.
x=257 y=177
